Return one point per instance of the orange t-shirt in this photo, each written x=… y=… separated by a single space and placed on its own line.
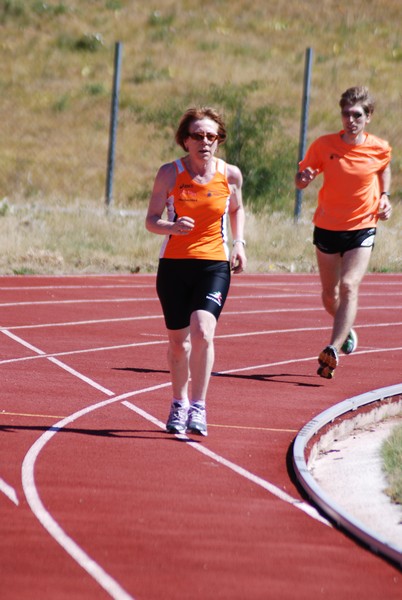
x=207 y=204
x=350 y=194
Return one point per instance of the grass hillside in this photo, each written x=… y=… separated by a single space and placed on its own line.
x=247 y=59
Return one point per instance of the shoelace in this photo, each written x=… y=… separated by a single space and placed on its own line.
x=179 y=413
x=197 y=414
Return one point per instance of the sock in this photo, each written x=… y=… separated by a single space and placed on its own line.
x=183 y=402
x=200 y=403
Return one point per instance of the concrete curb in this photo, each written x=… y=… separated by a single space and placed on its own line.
x=340 y=420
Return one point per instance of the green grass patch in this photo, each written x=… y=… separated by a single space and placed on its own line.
x=391 y=453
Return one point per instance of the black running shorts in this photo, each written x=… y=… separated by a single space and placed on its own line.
x=334 y=242
x=186 y=285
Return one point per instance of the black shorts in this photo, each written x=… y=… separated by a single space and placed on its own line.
x=334 y=242
x=186 y=285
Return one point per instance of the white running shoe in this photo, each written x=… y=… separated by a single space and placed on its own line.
x=177 y=420
x=197 y=420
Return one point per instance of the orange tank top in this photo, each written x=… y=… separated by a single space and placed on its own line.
x=207 y=204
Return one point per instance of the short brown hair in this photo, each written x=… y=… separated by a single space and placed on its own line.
x=358 y=95
x=195 y=113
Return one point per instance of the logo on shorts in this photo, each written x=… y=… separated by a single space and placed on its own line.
x=368 y=242
x=215 y=297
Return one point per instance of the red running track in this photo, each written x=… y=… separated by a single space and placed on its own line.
x=97 y=501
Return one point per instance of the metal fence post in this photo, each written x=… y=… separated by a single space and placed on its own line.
x=113 y=123
x=303 y=122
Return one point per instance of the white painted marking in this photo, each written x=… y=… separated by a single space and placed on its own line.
x=269 y=487
x=111 y=286
x=78 y=301
x=8 y=491
x=88 y=322
x=57 y=362
x=159 y=316
x=28 y=480
x=46 y=519
x=84 y=351
x=223 y=336
x=154 y=298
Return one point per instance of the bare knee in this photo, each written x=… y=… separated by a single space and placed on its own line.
x=349 y=289
x=202 y=334
x=179 y=348
x=203 y=330
x=330 y=300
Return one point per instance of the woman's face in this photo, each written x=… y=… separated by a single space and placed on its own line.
x=202 y=141
x=354 y=119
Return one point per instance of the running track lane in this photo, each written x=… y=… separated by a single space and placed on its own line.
x=98 y=501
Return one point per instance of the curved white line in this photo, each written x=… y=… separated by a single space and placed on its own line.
x=45 y=518
x=54 y=529
x=66 y=542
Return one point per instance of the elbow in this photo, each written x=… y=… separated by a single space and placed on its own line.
x=148 y=223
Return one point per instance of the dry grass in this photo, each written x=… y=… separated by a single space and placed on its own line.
x=56 y=72
x=42 y=238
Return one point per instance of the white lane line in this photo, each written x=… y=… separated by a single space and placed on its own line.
x=151 y=298
x=78 y=301
x=8 y=491
x=154 y=298
x=60 y=364
x=269 y=487
x=164 y=341
x=63 y=539
x=22 y=342
x=29 y=486
x=84 y=351
x=111 y=286
x=79 y=375
x=45 y=518
x=160 y=316
x=300 y=329
x=88 y=322
x=270 y=281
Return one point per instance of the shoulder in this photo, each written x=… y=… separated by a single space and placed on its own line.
x=378 y=148
x=329 y=139
x=377 y=142
x=167 y=174
x=234 y=175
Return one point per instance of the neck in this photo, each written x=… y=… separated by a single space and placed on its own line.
x=200 y=167
x=353 y=140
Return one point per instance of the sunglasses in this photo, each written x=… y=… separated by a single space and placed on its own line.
x=199 y=137
x=355 y=115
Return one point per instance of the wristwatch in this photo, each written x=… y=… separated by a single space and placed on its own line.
x=386 y=194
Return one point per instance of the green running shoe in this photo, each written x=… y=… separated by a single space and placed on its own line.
x=350 y=344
